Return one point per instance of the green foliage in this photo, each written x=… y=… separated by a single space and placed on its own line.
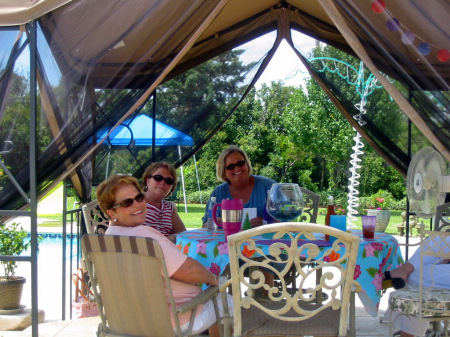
x=370 y=202
x=13 y=241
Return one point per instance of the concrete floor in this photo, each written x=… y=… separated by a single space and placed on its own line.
x=87 y=327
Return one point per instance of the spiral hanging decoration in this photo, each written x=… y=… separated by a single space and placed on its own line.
x=364 y=88
x=353 y=192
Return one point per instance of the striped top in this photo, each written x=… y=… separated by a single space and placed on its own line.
x=160 y=219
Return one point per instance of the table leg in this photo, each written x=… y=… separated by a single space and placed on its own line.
x=352 y=315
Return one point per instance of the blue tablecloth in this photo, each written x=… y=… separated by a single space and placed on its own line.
x=375 y=257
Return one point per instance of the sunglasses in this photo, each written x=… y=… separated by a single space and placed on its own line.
x=231 y=167
x=159 y=178
x=130 y=201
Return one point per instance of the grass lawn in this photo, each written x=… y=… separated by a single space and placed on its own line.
x=193 y=218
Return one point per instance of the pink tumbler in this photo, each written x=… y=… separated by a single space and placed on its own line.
x=232 y=211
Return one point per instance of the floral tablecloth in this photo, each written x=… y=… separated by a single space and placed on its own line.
x=375 y=257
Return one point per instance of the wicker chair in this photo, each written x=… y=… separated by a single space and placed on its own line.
x=284 y=313
x=131 y=275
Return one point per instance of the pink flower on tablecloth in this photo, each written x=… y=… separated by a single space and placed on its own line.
x=215 y=269
x=357 y=272
x=377 y=282
x=201 y=247
x=377 y=246
x=382 y=264
x=223 y=248
x=369 y=250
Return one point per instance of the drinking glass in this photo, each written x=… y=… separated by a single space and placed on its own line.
x=285 y=202
x=368 y=225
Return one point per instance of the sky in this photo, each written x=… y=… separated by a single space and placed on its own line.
x=285 y=66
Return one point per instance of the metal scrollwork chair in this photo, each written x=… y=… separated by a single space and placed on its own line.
x=285 y=313
x=425 y=303
x=311 y=209
x=96 y=221
x=310 y=213
x=442 y=218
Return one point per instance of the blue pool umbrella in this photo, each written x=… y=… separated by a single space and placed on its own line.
x=140 y=131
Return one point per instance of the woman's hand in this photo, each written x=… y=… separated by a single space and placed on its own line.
x=258 y=221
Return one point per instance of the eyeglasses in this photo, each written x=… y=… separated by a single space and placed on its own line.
x=159 y=178
x=231 y=167
x=130 y=201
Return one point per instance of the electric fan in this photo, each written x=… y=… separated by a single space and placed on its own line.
x=427 y=182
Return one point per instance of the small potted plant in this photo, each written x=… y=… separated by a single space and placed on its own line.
x=383 y=215
x=13 y=241
x=340 y=211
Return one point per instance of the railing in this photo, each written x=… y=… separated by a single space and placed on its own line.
x=76 y=220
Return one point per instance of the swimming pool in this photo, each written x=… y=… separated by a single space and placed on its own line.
x=50 y=281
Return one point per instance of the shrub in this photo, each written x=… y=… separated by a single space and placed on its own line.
x=13 y=241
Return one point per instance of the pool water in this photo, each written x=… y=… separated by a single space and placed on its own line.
x=50 y=274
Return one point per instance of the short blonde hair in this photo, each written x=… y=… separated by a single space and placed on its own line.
x=220 y=165
x=106 y=190
x=153 y=167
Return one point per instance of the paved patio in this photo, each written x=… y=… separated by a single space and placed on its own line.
x=87 y=327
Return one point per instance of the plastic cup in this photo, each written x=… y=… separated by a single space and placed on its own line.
x=338 y=222
x=368 y=226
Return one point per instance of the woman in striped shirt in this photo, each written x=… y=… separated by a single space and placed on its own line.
x=160 y=180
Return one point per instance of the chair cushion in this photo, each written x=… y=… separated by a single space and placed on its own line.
x=406 y=301
x=257 y=323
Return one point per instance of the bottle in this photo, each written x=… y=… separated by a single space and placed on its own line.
x=330 y=211
x=210 y=225
x=247 y=224
x=267 y=219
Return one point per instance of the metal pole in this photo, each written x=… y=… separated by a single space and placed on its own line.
x=407 y=199
x=154 y=126
x=182 y=181
x=33 y=181
x=107 y=163
x=64 y=230
x=198 y=181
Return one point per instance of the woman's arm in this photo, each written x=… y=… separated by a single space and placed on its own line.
x=192 y=271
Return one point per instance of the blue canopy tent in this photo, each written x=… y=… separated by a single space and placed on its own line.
x=139 y=132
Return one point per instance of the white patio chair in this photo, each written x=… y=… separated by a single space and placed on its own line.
x=285 y=313
x=442 y=218
x=427 y=304
x=96 y=222
x=311 y=208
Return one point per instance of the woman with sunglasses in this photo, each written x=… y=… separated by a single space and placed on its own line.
x=235 y=170
x=160 y=180
x=120 y=197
